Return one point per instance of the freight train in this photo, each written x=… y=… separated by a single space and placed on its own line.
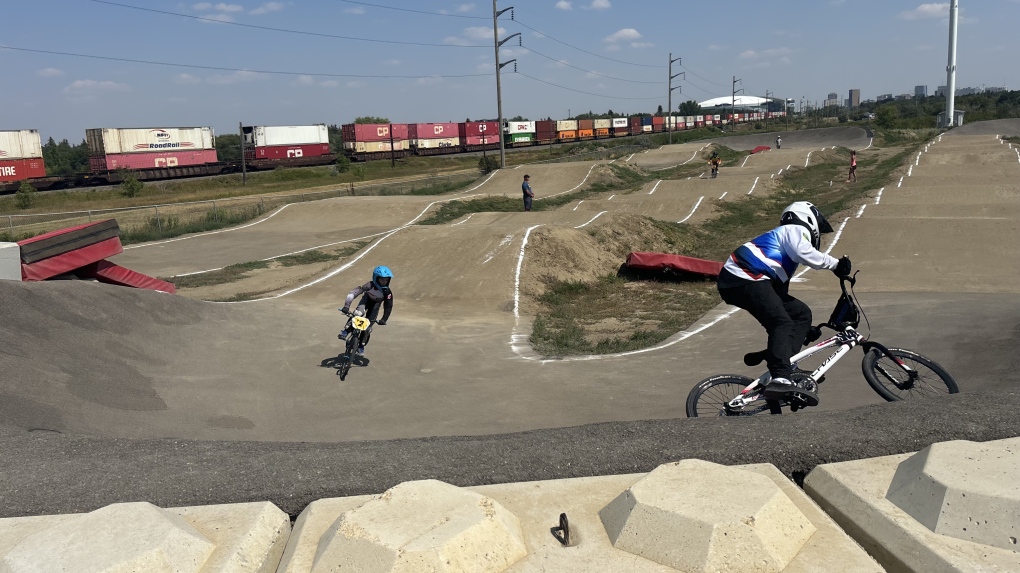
x=170 y=153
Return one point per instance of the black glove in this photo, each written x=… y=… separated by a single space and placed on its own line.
x=842 y=267
x=382 y=322
x=346 y=310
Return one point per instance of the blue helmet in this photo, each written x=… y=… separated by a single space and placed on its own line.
x=381 y=272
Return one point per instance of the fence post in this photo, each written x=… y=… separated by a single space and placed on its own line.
x=159 y=224
x=215 y=215
x=90 y=216
x=262 y=204
x=10 y=223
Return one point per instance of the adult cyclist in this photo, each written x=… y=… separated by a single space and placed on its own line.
x=375 y=294
x=756 y=278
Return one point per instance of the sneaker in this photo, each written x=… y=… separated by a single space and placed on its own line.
x=342 y=335
x=361 y=351
x=784 y=389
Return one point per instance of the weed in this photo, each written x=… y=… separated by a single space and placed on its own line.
x=225 y=275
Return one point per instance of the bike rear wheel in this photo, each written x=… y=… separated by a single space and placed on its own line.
x=348 y=357
x=893 y=383
x=710 y=396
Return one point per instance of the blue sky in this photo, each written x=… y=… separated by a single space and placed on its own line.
x=807 y=49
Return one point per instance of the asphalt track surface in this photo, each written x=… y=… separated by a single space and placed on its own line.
x=137 y=382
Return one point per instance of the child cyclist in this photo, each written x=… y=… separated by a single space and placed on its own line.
x=756 y=278
x=377 y=294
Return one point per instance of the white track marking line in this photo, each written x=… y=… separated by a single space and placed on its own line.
x=571 y=189
x=592 y=219
x=806 y=161
x=483 y=182
x=787 y=167
x=745 y=161
x=613 y=161
x=900 y=184
x=910 y=171
x=696 y=205
x=517 y=274
x=835 y=239
x=464 y=221
x=611 y=197
x=628 y=158
x=773 y=176
x=780 y=172
x=198 y=272
x=492 y=254
x=518 y=167
x=861 y=211
x=263 y=220
x=870 y=141
x=655 y=187
x=878 y=198
x=724 y=194
x=753 y=186
x=578 y=205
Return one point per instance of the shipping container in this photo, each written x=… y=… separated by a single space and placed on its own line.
x=436 y=143
x=585 y=124
x=603 y=123
x=699 y=118
x=566 y=125
x=658 y=120
x=373 y=132
x=635 y=121
x=602 y=132
x=545 y=125
x=586 y=133
x=282 y=152
x=619 y=131
x=21 y=169
x=520 y=137
x=566 y=135
x=151 y=160
x=520 y=127
x=646 y=120
x=416 y=131
x=485 y=129
x=20 y=144
x=117 y=141
x=375 y=146
x=488 y=139
x=619 y=122
x=270 y=136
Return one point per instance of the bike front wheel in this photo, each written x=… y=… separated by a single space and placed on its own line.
x=711 y=395
x=892 y=382
x=348 y=357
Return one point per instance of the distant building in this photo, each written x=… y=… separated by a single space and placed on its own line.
x=920 y=91
x=833 y=96
x=855 y=98
x=846 y=102
x=994 y=90
x=884 y=97
x=831 y=102
x=968 y=91
x=903 y=97
x=940 y=91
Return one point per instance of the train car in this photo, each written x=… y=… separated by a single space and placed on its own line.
x=21 y=156
x=658 y=124
x=620 y=127
x=479 y=135
x=368 y=141
x=602 y=127
x=151 y=153
x=268 y=147
x=545 y=132
x=520 y=133
x=434 y=138
x=586 y=129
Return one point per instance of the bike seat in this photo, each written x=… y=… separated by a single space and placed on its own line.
x=755 y=358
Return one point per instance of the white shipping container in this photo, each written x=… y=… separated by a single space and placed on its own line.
x=700 y=118
x=603 y=123
x=689 y=119
x=620 y=122
x=266 y=136
x=520 y=127
x=111 y=141
x=375 y=146
x=437 y=143
x=20 y=144
x=566 y=125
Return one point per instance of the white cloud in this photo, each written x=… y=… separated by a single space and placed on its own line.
x=355 y=84
x=222 y=7
x=481 y=32
x=613 y=48
x=92 y=86
x=557 y=64
x=186 y=79
x=748 y=55
x=466 y=7
x=924 y=11
x=235 y=78
x=714 y=47
x=622 y=34
x=641 y=44
x=305 y=81
x=202 y=6
x=330 y=84
x=355 y=10
x=428 y=81
x=49 y=73
x=599 y=5
x=769 y=53
x=267 y=8
x=391 y=62
x=564 y=5
x=218 y=17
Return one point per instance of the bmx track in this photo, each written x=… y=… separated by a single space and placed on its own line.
x=180 y=401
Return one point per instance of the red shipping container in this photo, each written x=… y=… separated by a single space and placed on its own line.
x=481 y=139
x=291 y=151
x=432 y=130
x=635 y=121
x=545 y=126
x=21 y=169
x=155 y=160
x=585 y=124
x=353 y=132
x=475 y=128
x=658 y=120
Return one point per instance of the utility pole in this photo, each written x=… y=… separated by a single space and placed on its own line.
x=244 y=167
x=954 y=8
x=767 y=112
x=393 y=153
x=733 y=105
x=669 y=96
x=499 y=92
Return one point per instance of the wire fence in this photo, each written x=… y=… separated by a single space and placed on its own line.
x=171 y=219
x=595 y=155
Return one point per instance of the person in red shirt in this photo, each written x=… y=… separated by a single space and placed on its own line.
x=853 y=167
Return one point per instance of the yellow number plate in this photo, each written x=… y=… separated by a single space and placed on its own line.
x=360 y=322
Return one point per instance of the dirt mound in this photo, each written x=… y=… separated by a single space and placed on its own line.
x=1006 y=127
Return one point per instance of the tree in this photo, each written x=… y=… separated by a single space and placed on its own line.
x=131 y=186
x=887 y=115
x=343 y=163
x=658 y=112
x=488 y=163
x=228 y=147
x=690 y=107
x=371 y=119
x=25 y=197
x=518 y=118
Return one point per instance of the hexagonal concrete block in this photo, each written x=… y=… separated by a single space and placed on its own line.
x=422 y=526
x=696 y=516
x=966 y=490
x=119 y=538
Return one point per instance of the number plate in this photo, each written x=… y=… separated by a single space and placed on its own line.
x=360 y=322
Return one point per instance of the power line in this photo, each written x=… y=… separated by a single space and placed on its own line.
x=582 y=91
x=224 y=69
x=582 y=49
x=699 y=77
x=285 y=30
x=537 y=53
x=415 y=11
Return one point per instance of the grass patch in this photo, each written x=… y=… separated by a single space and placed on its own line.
x=225 y=275
x=165 y=227
x=240 y=271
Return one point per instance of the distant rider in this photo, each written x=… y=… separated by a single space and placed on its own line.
x=779 y=142
x=377 y=294
x=715 y=161
x=756 y=278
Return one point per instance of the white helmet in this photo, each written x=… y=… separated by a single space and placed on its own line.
x=807 y=215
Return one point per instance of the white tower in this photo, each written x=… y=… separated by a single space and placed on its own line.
x=954 y=8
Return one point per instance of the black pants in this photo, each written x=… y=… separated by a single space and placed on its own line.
x=786 y=319
x=527 y=203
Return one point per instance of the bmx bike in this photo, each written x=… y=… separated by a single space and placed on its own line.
x=358 y=325
x=893 y=373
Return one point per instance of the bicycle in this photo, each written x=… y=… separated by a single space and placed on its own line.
x=359 y=324
x=886 y=370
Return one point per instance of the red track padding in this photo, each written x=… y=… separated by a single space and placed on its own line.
x=664 y=261
x=107 y=272
x=760 y=148
x=71 y=260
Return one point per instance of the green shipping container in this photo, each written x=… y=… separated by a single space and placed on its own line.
x=517 y=137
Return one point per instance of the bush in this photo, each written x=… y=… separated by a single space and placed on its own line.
x=358 y=171
x=343 y=163
x=25 y=197
x=488 y=163
x=131 y=186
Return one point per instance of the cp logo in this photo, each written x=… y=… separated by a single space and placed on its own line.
x=438 y=129
x=382 y=131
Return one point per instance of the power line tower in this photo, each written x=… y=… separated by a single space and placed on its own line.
x=499 y=66
x=669 y=97
x=733 y=102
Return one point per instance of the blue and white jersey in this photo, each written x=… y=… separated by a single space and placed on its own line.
x=775 y=255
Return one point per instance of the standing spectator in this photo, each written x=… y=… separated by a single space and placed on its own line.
x=528 y=193
x=779 y=142
x=853 y=167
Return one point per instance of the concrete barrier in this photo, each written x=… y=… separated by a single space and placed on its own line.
x=241 y=538
x=10 y=262
x=953 y=506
